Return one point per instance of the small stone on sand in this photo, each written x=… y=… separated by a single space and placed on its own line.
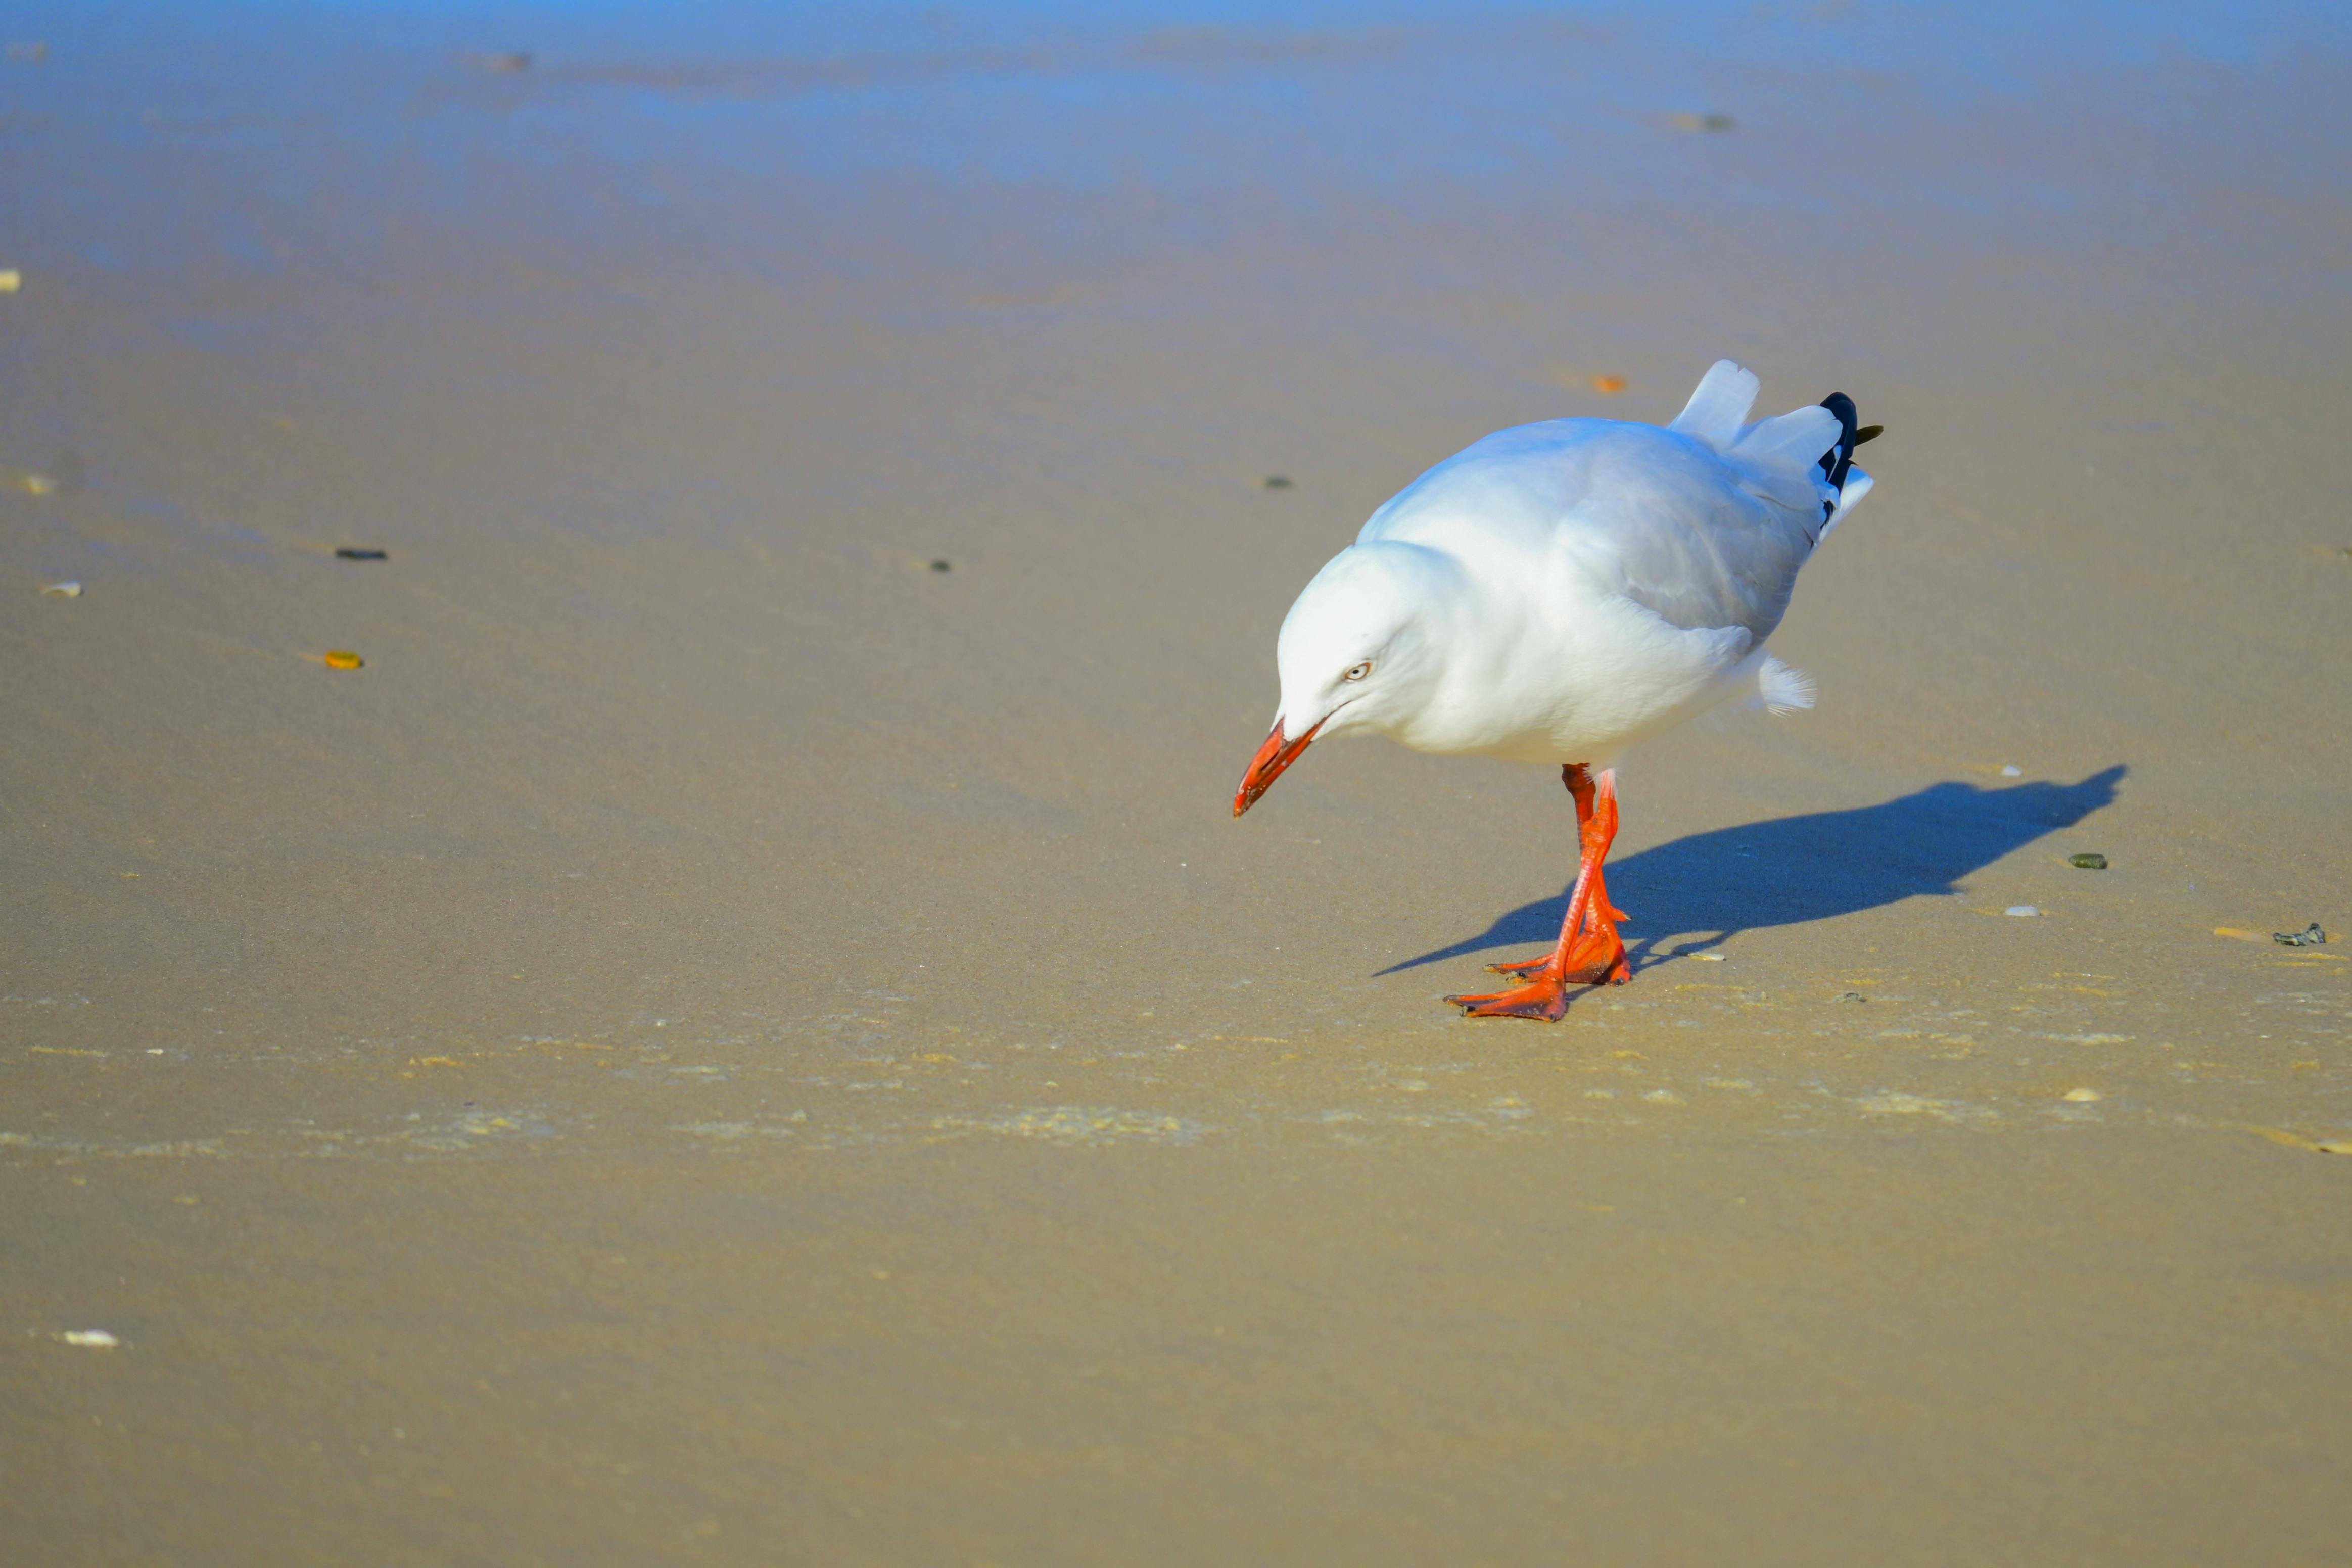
x=1609 y=383
x=2088 y=862
x=2011 y=770
x=1277 y=482
x=95 y=1339
x=2082 y=1096
x=11 y=281
x=344 y=659
x=2022 y=911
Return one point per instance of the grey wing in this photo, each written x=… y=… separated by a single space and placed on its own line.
x=1702 y=540
x=1694 y=539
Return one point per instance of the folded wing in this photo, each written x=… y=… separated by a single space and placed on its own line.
x=1705 y=522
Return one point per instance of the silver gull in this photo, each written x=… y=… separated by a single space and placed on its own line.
x=1556 y=593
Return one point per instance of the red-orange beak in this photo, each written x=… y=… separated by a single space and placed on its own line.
x=1266 y=767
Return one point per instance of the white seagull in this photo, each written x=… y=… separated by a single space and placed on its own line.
x=1555 y=593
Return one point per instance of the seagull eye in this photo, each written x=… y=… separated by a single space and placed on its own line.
x=1357 y=672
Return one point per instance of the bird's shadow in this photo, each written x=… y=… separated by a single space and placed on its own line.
x=1795 y=868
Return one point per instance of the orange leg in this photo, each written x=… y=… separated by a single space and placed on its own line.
x=1581 y=790
x=1589 y=952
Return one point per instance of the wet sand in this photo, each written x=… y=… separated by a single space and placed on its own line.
x=722 y=1041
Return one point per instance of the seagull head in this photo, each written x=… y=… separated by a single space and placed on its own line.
x=1361 y=651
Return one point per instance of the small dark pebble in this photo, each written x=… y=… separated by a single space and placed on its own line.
x=941 y=566
x=2310 y=936
x=1278 y=481
x=1852 y=997
x=351 y=552
x=2088 y=862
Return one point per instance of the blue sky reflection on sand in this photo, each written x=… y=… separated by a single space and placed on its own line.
x=631 y=119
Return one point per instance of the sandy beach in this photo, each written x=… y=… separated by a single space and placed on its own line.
x=744 y=1031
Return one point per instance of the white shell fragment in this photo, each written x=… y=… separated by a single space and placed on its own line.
x=2011 y=770
x=2082 y=1096
x=95 y=1339
x=62 y=589
x=2022 y=911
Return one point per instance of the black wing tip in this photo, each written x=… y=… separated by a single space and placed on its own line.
x=1839 y=458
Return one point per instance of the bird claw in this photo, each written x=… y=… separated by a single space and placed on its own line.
x=1546 y=999
x=1596 y=961
x=1545 y=995
x=1614 y=970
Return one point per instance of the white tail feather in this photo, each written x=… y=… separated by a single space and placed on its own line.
x=1792 y=441
x=1720 y=407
